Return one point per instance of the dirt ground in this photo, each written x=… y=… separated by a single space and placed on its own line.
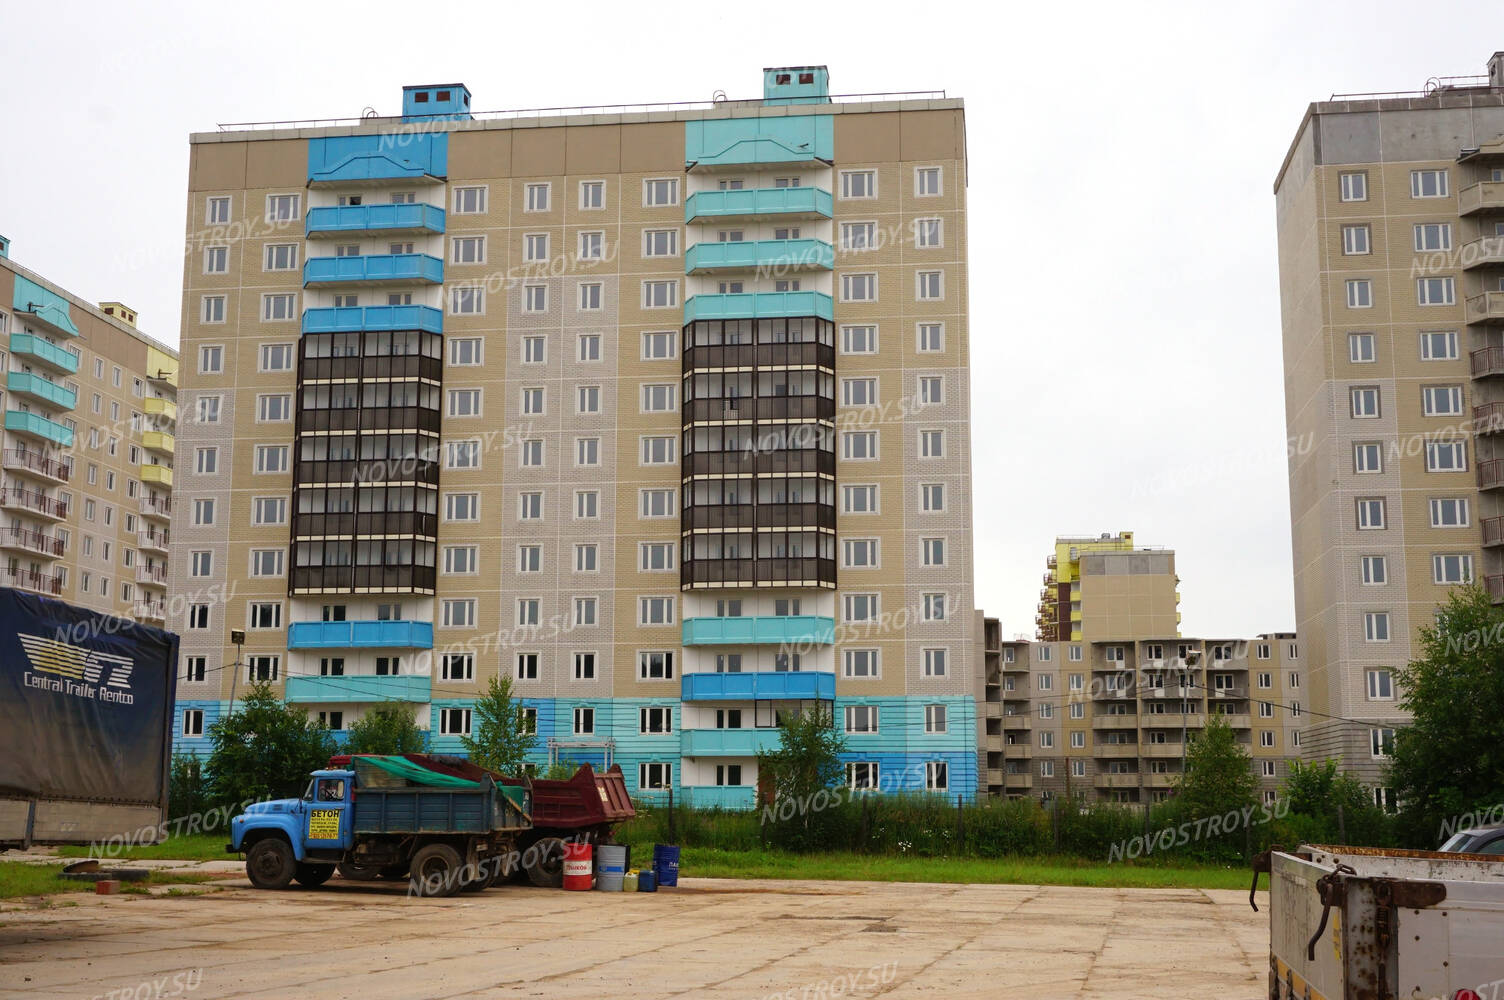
x=709 y=937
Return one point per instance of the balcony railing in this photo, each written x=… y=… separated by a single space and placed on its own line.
x=150 y=611
x=747 y=204
x=50 y=355
x=719 y=796
x=31 y=500
x=360 y=635
x=44 y=391
x=759 y=630
x=386 y=220
x=807 y=685
x=373 y=269
x=726 y=742
x=359 y=688
x=1491 y=473
x=158 y=441
x=1486 y=251
x=157 y=475
x=30 y=579
x=1495 y=587
x=162 y=409
x=26 y=460
x=156 y=575
x=36 y=425
x=33 y=541
x=1493 y=531
x=156 y=506
x=1486 y=308
x=1485 y=196
x=758 y=305
x=775 y=256
x=353 y=319
x=153 y=538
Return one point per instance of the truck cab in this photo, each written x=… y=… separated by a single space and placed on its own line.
x=299 y=838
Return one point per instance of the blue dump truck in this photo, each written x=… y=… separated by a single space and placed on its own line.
x=86 y=705
x=450 y=826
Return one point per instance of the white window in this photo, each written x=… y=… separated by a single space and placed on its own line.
x=658 y=398
x=460 y=559
x=454 y=721
x=657 y=503
x=463 y=455
x=1449 y=512
x=278 y=307
x=201 y=563
x=1359 y=293
x=932 y=444
x=1450 y=569
x=653 y=775
x=655 y=611
x=660 y=294
x=534 y=350
x=466 y=352
x=532 y=401
x=660 y=242
x=936 y=662
x=216 y=260
x=861 y=719
x=590 y=296
x=217 y=210
x=592 y=245
x=586 y=558
x=858 y=184
x=659 y=346
x=535 y=246
x=528 y=610
x=1365 y=401
x=861 y=663
x=281 y=256
x=527 y=666
x=659 y=450
x=1376 y=626
x=858 y=391
x=587 y=504
x=269 y=510
x=858 y=445
x=465 y=300
x=1355 y=240
x=1375 y=571
x=1266 y=737
x=1360 y=348
x=655 y=720
x=534 y=298
x=657 y=556
x=932 y=497
x=1380 y=741
x=859 y=499
x=1432 y=237
x=858 y=236
x=471 y=250
x=592 y=194
x=203 y=511
x=927 y=182
x=1368 y=458
x=660 y=191
x=207 y=461
x=531 y=453
x=590 y=347
x=932 y=551
x=587 y=451
x=655 y=665
x=276 y=357
x=859 y=553
x=1441 y=400
x=536 y=197
x=860 y=607
x=584 y=611
x=266 y=562
x=934 y=608
x=858 y=340
x=213 y=309
x=469 y=200
x=1047 y=741
x=457 y=667
x=859 y=287
x=529 y=558
x=584 y=668
x=1428 y=183
x=264 y=615
x=211 y=361
x=1436 y=291
x=1438 y=345
x=931 y=390
x=930 y=338
x=1371 y=513
x=929 y=286
x=1354 y=187
x=274 y=408
x=928 y=233
x=1446 y=456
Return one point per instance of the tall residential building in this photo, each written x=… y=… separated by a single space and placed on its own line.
x=1112 y=719
x=1105 y=587
x=86 y=467
x=1388 y=210
x=663 y=415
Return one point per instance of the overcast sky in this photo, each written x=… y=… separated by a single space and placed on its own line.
x=1125 y=301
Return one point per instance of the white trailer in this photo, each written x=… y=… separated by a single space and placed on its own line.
x=1357 y=923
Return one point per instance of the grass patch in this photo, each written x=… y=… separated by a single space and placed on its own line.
x=198 y=847
x=20 y=879
x=708 y=862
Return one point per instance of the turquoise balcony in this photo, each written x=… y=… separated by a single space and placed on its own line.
x=351 y=319
x=758 y=305
x=770 y=255
x=360 y=635
x=749 y=204
x=759 y=630
x=375 y=220
x=344 y=160
x=43 y=391
x=799 y=685
x=43 y=306
x=767 y=142
x=37 y=426
x=29 y=345
x=359 y=688
x=718 y=796
x=373 y=269
x=727 y=742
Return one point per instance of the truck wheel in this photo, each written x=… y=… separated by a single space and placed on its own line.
x=312 y=876
x=269 y=864
x=358 y=872
x=544 y=862
x=394 y=873
x=436 y=870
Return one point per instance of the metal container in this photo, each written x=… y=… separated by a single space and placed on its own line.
x=577 y=863
x=666 y=864
x=611 y=866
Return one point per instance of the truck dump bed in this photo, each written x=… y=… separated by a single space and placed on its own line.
x=410 y=793
x=585 y=800
x=1371 y=924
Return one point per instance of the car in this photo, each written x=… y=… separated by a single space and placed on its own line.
x=1479 y=840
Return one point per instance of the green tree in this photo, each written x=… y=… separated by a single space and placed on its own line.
x=188 y=786
x=265 y=749
x=388 y=728
x=801 y=774
x=503 y=735
x=1450 y=759
x=1218 y=779
x=1314 y=791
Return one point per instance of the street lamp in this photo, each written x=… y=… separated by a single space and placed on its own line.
x=237 y=638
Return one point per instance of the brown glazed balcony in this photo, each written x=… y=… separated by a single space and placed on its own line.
x=361 y=579
x=759 y=356
x=800 y=570
x=369 y=418
x=770 y=515
x=407 y=522
x=747 y=462
x=369 y=470
x=761 y=408
x=385 y=366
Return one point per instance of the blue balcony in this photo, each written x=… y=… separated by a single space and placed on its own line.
x=749 y=204
x=352 y=319
x=373 y=269
x=800 y=685
x=41 y=390
x=360 y=635
x=49 y=355
x=727 y=742
x=374 y=220
x=37 y=426
x=718 y=796
x=758 y=305
x=356 y=688
x=415 y=157
x=750 y=143
x=759 y=630
x=43 y=306
x=772 y=255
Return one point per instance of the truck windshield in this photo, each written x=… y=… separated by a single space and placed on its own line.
x=1456 y=842
x=308 y=792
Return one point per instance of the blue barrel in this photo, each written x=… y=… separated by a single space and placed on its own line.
x=646 y=882
x=666 y=863
x=610 y=866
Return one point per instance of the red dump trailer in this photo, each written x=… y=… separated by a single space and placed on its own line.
x=585 y=808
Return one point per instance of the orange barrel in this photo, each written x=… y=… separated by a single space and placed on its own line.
x=577 y=866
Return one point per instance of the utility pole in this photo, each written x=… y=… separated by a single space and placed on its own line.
x=1192 y=660
x=237 y=637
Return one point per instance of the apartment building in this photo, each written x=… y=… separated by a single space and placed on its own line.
x=1112 y=719
x=86 y=466
x=1389 y=210
x=663 y=415
x=1105 y=586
